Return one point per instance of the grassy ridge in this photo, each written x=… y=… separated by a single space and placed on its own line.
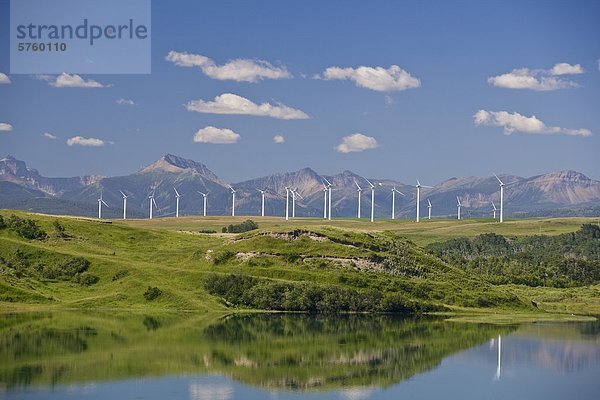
x=130 y=256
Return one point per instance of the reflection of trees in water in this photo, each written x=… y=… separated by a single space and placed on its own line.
x=292 y=352
x=301 y=352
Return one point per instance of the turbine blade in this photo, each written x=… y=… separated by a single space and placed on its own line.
x=502 y=183
x=104 y=203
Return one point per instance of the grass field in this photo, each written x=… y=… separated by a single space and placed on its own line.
x=129 y=256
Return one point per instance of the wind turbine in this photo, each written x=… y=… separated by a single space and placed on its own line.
x=419 y=186
x=501 y=198
x=329 y=194
x=204 y=201
x=152 y=201
x=124 y=205
x=262 y=205
x=359 y=189
x=177 y=196
x=287 y=203
x=459 y=206
x=294 y=194
x=428 y=209
x=324 y=201
x=232 y=201
x=394 y=191
x=494 y=209
x=100 y=202
x=372 y=199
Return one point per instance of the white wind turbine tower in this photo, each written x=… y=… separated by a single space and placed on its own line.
x=458 y=205
x=152 y=202
x=232 y=201
x=204 y=201
x=124 y=205
x=359 y=190
x=329 y=194
x=262 y=203
x=177 y=196
x=428 y=209
x=100 y=202
x=394 y=191
x=372 y=199
x=287 y=203
x=494 y=209
x=419 y=186
x=501 y=198
x=324 y=201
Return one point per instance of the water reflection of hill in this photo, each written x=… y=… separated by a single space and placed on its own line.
x=294 y=352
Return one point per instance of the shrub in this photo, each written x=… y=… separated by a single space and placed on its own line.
x=59 y=230
x=2 y=224
x=87 y=279
x=120 y=274
x=223 y=256
x=207 y=231
x=152 y=293
x=245 y=226
x=26 y=228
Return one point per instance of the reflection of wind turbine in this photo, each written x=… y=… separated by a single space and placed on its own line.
x=419 y=186
x=232 y=201
x=499 y=366
x=501 y=198
x=372 y=199
x=428 y=209
x=459 y=206
x=177 y=196
x=204 y=201
x=494 y=209
x=262 y=204
x=329 y=194
x=100 y=202
x=359 y=189
x=394 y=191
x=152 y=202
x=124 y=205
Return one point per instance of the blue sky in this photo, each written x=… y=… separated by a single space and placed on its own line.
x=514 y=60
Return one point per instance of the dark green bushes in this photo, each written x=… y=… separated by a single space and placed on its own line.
x=247 y=291
x=152 y=293
x=245 y=226
x=25 y=227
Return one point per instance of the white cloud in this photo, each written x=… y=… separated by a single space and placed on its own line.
x=240 y=70
x=512 y=122
x=229 y=103
x=125 y=102
x=375 y=78
x=4 y=127
x=278 y=139
x=4 y=78
x=356 y=142
x=566 y=69
x=210 y=134
x=538 y=79
x=65 y=80
x=86 y=142
x=50 y=136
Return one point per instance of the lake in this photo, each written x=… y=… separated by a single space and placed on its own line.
x=266 y=356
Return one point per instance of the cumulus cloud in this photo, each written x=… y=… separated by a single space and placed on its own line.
x=380 y=79
x=538 y=79
x=356 y=142
x=240 y=70
x=210 y=134
x=50 y=136
x=65 y=80
x=278 y=139
x=4 y=78
x=126 y=102
x=512 y=122
x=4 y=127
x=229 y=103
x=86 y=142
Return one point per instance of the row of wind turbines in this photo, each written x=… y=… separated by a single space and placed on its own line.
x=326 y=201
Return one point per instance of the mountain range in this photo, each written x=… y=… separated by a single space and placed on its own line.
x=553 y=194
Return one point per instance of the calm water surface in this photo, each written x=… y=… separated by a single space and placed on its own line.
x=83 y=356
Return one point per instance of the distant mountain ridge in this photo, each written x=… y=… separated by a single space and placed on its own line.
x=22 y=187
